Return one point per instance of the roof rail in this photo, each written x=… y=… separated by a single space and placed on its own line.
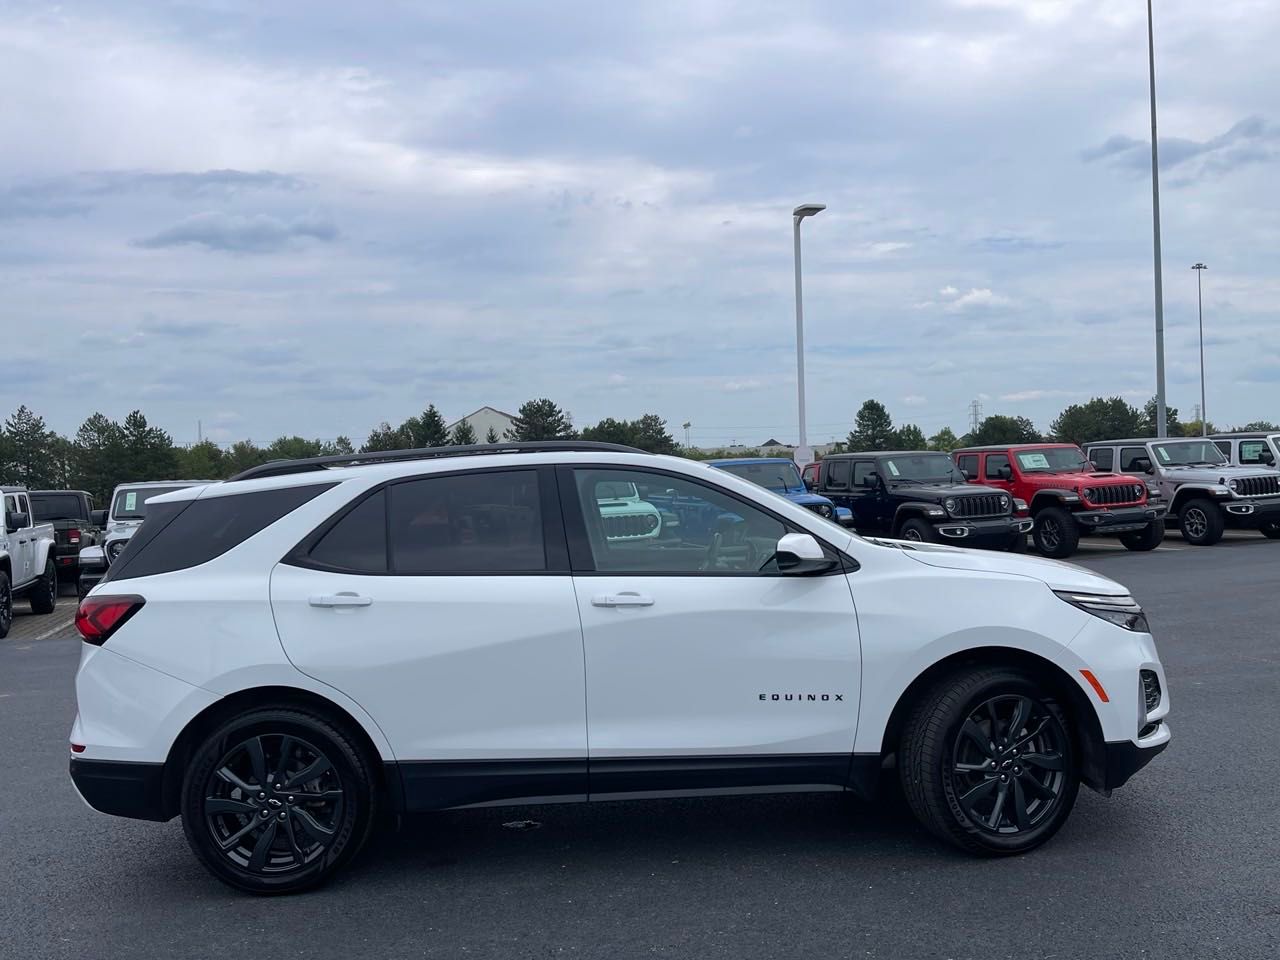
x=279 y=468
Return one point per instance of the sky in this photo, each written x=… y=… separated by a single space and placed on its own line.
x=306 y=218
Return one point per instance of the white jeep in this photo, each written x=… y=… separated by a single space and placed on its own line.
x=26 y=558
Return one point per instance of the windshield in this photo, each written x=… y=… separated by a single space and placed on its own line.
x=926 y=467
x=781 y=476
x=131 y=504
x=1052 y=460
x=1185 y=453
x=57 y=506
x=616 y=490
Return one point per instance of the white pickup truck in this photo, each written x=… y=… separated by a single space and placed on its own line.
x=26 y=558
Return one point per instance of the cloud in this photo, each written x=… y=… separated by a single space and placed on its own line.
x=1250 y=141
x=914 y=400
x=253 y=234
x=1022 y=396
x=1014 y=243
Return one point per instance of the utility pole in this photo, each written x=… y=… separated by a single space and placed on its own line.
x=1162 y=427
x=687 y=425
x=1200 y=268
x=199 y=432
x=975 y=416
x=803 y=454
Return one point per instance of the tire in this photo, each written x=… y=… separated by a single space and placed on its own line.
x=1270 y=530
x=1148 y=538
x=44 y=595
x=942 y=734
x=1055 y=533
x=261 y=840
x=6 y=605
x=1201 y=522
x=917 y=531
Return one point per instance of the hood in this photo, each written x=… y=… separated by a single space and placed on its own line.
x=1053 y=573
x=806 y=499
x=942 y=490
x=1223 y=471
x=1075 y=479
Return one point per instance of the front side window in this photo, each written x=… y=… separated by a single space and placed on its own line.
x=131 y=504
x=1103 y=457
x=968 y=464
x=1130 y=457
x=1052 y=460
x=1254 y=451
x=864 y=473
x=1189 y=453
x=838 y=475
x=677 y=526
x=996 y=462
x=10 y=507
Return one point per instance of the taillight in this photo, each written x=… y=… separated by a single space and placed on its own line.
x=97 y=618
x=73 y=535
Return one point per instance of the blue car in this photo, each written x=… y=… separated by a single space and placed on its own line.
x=782 y=476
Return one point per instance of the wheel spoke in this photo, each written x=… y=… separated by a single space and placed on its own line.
x=293 y=840
x=303 y=797
x=263 y=847
x=973 y=768
x=1033 y=733
x=1020 y=806
x=282 y=768
x=312 y=771
x=998 y=809
x=232 y=840
x=310 y=825
x=1021 y=714
x=226 y=774
x=257 y=759
x=970 y=797
x=215 y=805
x=1046 y=761
x=995 y=720
x=1038 y=790
x=974 y=733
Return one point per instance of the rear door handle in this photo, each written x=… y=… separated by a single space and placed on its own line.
x=621 y=600
x=340 y=600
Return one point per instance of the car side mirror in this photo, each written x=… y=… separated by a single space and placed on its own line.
x=17 y=521
x=1143 y=465
x=808 y=483
x=98 y=518
x=1005 y=473
x=871 y=480
x=1266 y=457
x=1094 y=465
x=967 y=474
x=800 y=553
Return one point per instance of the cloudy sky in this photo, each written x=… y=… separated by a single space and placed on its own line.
x=309 y=217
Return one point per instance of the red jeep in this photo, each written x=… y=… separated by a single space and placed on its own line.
x=1067 y=496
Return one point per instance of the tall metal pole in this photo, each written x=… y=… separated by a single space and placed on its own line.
x=1161 y=423
x=1204 y=413
x=803 y=454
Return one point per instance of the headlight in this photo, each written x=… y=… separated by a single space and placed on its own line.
x=1234 y=485
x=950 y=504
x=651 y=522
x=1004 y=503
x=1137 y=490
x=1088 y=493
x=824 y=509
x=1122 y=611
x=114 y=549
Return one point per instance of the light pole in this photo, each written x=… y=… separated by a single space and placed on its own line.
x=1204 y=414
x=803 y=453
x=1161 y=423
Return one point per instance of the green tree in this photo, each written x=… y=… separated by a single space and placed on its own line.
x=31 y=457
x=491 y=436
x=911 y=437
x=872 y=428
x=1257 y=426
x=463 y=434
x=1147 y=425
x=148 y=450
x=610 y=430
x=242 y=455
x=1001 y=429
x=541 y=420
x=650 y=433
x=202 y=461
x=427 y=430
x=386 y=437
x=944 y=440
x=98 y=456
x=294 y=448
x=1101 y=418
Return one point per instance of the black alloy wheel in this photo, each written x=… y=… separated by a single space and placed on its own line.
x=1009 y=759
x=1271 y=530
x=44 y=595
x=6 y=605
x=1202 y=523
x=917 y=531
x=1055 y=533
x=277 y=801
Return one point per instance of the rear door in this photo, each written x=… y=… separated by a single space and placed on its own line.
x=443 y=604
x=706 y=667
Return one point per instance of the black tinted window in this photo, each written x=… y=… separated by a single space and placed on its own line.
x=1129 y=457
x=863 y=473
x=969 y=464
x=1103 y=457
x=469 y=523
x=58 y=506
x=358 y=541
x=995 y=463
x=838 y=474
x=176 y=536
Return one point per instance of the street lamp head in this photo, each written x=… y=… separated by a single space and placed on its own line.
x=808 y=210
x=1199 y=266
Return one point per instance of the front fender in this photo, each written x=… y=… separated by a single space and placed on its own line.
x=43 y=550
x=932 y=512
x=1054 y=496
x=1188 y=491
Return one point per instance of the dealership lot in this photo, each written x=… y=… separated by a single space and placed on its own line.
x=1178 y=863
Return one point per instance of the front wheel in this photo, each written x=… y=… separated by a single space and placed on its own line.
x=1148 y=538
x=6 y=605
x=988 y=763
x=44 y=595
x=917 y=531
x=1270 y=530
x=1202 y=523
x=1055 y=533
x=277 y=801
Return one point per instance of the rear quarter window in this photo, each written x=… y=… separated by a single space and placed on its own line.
x=176 y=536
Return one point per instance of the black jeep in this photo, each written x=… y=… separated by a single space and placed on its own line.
x=920 y=495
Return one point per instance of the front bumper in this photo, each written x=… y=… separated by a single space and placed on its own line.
x=975 y=533
x=1123 y=759
x=121 y=788
x=1120 y=519
x=88 y=579
x=1250 y=514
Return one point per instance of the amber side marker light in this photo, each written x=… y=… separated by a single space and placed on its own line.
x=1097 y=687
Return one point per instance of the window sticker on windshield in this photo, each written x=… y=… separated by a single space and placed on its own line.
x=893 y=468
x=1033 y=461
x=1164 y=454
x=130 y=502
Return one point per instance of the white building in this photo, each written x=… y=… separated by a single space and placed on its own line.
x=484 y=419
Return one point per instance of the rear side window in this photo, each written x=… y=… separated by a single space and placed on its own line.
x=176 y=536
x=358 y=541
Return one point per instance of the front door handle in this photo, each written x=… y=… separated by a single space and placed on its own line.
x=621 y=600
x=340 y=600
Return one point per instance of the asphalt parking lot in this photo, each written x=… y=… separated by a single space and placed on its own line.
x=1180 y=863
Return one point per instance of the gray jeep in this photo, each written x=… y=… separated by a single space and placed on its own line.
x=1206 y=494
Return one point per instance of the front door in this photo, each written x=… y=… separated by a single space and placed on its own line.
x=994 y=470
x=868 y=498
x=443 y=605
x=706 y=667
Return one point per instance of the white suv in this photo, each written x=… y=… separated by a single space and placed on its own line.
x=281 y=657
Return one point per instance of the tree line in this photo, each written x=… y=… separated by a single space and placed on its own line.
x=105 y=452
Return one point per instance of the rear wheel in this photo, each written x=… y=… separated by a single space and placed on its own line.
x=1202 y=522
x=277 y=801
x=1055 y=533
x=6 y=605
x=987 y=762
x=1148 y=538
x=44 y=595
x=1271 y=530
x=918 y=531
